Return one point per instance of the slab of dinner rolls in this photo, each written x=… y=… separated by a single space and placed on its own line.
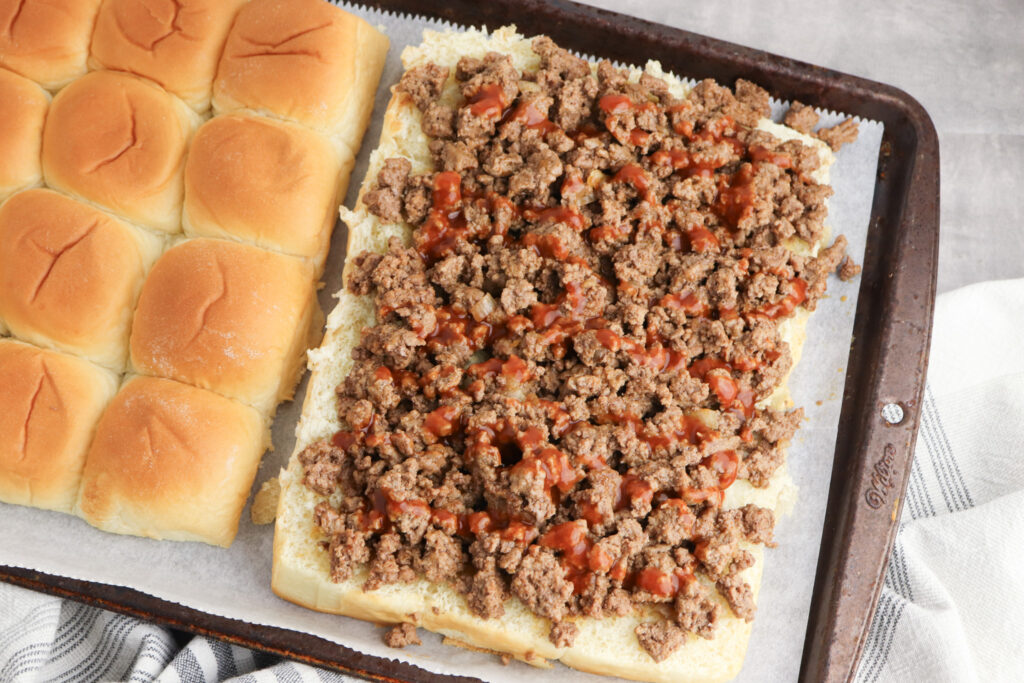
x=227 y=317
x=119 y=142
x=46 y=40
x=301 y=569
x=174 y=43
x=170 y=461
x=266 y=182
x=22 y=113
x=48 y=411
x=303 y=60
x=70 y=275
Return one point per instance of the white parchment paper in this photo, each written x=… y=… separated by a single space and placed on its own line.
x=236 y=582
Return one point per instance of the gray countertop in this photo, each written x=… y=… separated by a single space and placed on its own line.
x=964 y=61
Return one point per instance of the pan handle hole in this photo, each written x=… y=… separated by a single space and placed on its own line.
x=893 y=413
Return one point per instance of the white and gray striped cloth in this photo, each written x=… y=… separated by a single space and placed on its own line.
x=952 y=608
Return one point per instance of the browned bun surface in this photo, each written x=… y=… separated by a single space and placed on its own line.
x=175 y=43
x=22 y=112
x=227 y=317
x=48 y=409
x=270 y=183
x=303 y=60
x=46 y=40
x=119 y=142
x=70 y=274
x=170 y=461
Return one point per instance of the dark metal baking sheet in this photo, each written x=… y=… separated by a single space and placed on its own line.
x=887 y=362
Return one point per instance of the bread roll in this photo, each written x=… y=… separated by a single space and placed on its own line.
x=170 y=461
x=119 y=141
x=70 y=275
x=46 y=40
x=270 y=183
x=226 y=317
x=22 y=112
x=303 y=60
x=173 y=42
x=48 y=410
x=301 y=569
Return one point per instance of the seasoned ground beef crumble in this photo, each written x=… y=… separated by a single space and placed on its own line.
x=565 y=373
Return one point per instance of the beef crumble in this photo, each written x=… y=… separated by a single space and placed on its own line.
x=567 y=371
x=401 y=635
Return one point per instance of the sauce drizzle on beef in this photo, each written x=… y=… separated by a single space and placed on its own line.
x=566 y=372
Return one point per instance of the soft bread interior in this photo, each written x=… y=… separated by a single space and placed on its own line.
x=300 y=571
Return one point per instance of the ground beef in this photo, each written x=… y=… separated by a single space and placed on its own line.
x=540 y=583
x=660 y=638
x=438 y=121
x=848 y=269
x=817 y=270
x=755 y=97
x=563 y=376
x=563 y=633
x=758 y=524
x=442 y=557
x=400 y=635
x=801 y=117
x=322 y=462
x=695 y=611
x=739 y=596
x=840 y=134
x=347 y=551
x=486 y=593
x=423 y=84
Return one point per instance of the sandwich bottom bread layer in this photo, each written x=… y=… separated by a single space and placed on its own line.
x=302 y=568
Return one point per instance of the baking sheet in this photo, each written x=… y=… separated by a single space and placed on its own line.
x=235 y=582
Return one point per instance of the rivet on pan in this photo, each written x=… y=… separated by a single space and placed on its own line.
x=892 y=413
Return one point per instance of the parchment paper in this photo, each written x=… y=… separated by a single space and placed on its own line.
x=236 y=582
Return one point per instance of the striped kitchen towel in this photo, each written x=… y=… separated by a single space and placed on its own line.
x=952 y=608
x=43 y=638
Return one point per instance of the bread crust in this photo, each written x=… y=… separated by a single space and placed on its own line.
x=51 y=42
x=23 y=107
x=302 y=60
x=48 y=411
x=119 y=142
x=227 y=317
x=265 y=182
x=300 y=570
x=176 y=45
x=170 y=461
x=70 y=275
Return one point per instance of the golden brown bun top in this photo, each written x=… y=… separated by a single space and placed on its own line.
x=297 y=59
x=68 y=271
x=171 y=461
x=48 y=406
x=22 y=112
x=119 y=141
x=46 y=40
x=223 y=316
x=174 y=42
x=269 y=182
